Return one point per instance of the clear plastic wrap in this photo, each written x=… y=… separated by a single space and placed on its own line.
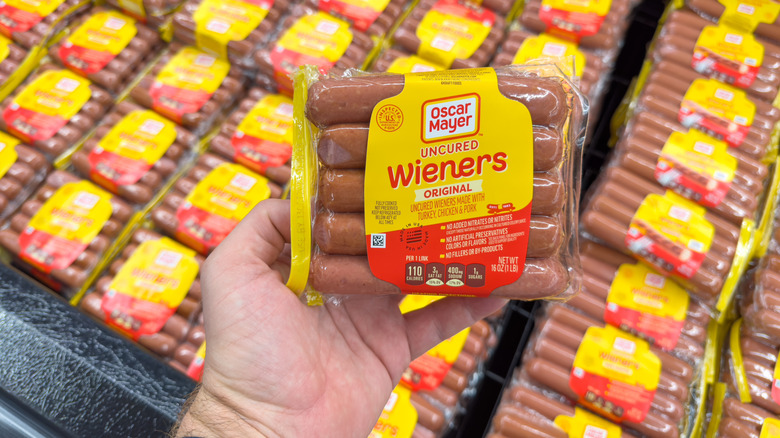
x=559 y=385
x=259 y=134
x=22 y=168
x=32 y=25
x=339 y=112
x=437 y=386
x=160 y=316
x=53 y=110
x=308 y=36
x=134 y=153
x=107 y=47
x=205 y=204
x=468 y=42
x=190 y=87
x=231 y=29
x=745 y=404
x=61 y=234
x=375 y=19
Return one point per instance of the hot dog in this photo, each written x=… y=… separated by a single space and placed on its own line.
x=238 y=51
x=110 y=72
x=138 y=184
x=609 y=34
x=26 y=168
x=12 y=59
x=366 y=19
x=67 y=269
x=408 y=34
x=279 y=58
x=266 y=146
x=157 y=90
x=203 y=227
x=89 y=105
x=35 y=29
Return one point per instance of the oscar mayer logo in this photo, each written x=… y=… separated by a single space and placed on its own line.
x=450 y=117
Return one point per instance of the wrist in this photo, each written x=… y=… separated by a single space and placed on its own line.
x=211 y=416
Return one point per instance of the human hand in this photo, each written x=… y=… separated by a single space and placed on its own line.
x=277 y=367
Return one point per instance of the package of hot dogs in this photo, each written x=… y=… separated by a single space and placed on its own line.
x=422 y=187
x=190 y=87
x=61 y=234
x=436 y=386
x=54 y=110
x=134 y=152
x=258 y=135
x=309 y=36
x=373 y=18
x=229 y=29
x=576 y=360
x=451 y=33
x=31 y=25
x=151 y=293
x=108 y=48
x=154 y=13
x=206 y=203
x=747 y=403
x=761 y=18
x=22 y=168
x=12 y=56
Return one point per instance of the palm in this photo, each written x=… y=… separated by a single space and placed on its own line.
x=299 y=370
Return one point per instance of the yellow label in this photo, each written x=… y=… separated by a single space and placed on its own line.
x=412 y=64
x=597 y=7
x=728 y=56
x=770 y=428
x=142 y=135
x=697 y=167
x=42 y=8
x=318 y=35
x=218 y=22
x=745 y=15
x=191 y=69
x=451 y=30
x=158 y=271
x=106 y=31
x=4 y=50
x=229 y=191
x=440 y=179
x=547 y=46
x=59 y=93
x=76 y=212
x=671 y=233
x=647 y=304
x=717 y=109
x=8 y=155
x=615 y=373
x=399 y=417
x=586 y=425
x=270 y=119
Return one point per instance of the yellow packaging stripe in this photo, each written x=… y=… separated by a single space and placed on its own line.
x=737 y=366
x=739 y=265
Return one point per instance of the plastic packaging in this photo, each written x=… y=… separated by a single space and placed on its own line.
x=153 y=13
x=60 y=235
x=134 y=153
x=308 y=36
x=469 y=41
x=206 y=204
x=760 y=19
x=436 y=387
x=21 y=170
x=108 y=48
x=11 y=57
x=373 y=18
x=258 y=135
x=158 y=315
x=190 y=87
x=448 y=231
x=229 y=29
x=32 y=25
x=54 y=110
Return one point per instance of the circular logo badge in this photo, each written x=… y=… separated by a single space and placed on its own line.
x=389 y=118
